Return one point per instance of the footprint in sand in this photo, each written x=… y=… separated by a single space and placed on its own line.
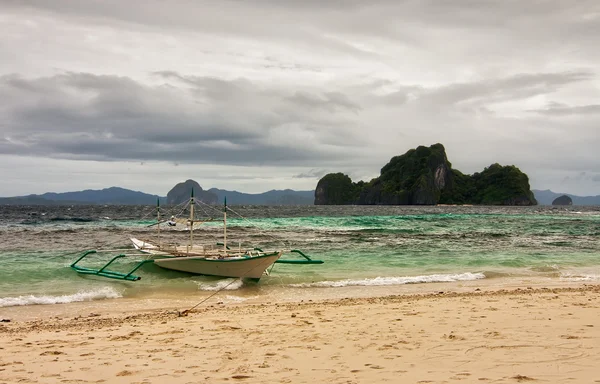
x=125 y=373
x=14 y=362
x=569 y=337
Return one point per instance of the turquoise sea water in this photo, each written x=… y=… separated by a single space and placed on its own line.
x=361 y=246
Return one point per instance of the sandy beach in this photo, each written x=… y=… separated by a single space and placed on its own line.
x=497 y=336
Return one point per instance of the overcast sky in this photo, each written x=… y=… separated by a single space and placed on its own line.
x=272 y=94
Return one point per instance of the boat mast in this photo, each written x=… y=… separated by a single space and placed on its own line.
x=225 y=226
x=192 y=219
x=158 y=219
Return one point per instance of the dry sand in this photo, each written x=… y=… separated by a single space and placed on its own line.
x=525 y=335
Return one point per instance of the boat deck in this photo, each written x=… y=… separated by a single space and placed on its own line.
x=207 y=251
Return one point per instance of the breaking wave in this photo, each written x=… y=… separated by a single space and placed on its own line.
x=226 y=285
x=580 y=277
x=98 y=294
x=379 y=281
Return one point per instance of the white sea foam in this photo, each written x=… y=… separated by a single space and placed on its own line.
x=580 y=277
x=379 y=281
x=238 y=299
x=226 y=285
x=97 y=294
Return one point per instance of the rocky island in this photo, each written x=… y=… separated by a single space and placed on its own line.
x=562 y=200
x=424 y=176
x=182 y=191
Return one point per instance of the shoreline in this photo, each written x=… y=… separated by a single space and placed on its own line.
x=258 y=295
x=505 y=335
x=121 y=310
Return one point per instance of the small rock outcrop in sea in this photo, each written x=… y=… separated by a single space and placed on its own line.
x=335 y=189
x=562 y=200
x=424 y=176
x=182 y=192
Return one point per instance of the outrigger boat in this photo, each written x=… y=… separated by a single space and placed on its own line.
x=213 y=260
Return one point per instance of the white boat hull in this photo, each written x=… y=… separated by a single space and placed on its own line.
x=245 y=267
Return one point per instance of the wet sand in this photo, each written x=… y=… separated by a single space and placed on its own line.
x=511 y=335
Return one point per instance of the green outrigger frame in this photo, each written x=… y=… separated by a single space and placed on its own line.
x=104 y=272
x=111 y=274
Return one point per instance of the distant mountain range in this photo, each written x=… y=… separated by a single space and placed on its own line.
x=546 y=197
x=273 y=197
x=122 y=196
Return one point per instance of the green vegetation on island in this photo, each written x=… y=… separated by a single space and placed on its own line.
x=562 y=200
x=424 y=176
x=336 y=189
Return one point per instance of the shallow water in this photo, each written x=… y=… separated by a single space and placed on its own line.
x=362 y=246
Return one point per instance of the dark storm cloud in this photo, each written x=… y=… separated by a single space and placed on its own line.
x=200 y=120
x=78 y=115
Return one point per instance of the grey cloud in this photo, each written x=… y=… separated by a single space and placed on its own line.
x=256 y=20
x=340 y=85
x=396 y=98
x=98 y=105
x=579 y=176
x=520 y=86
x=331 y=101
x=312 y=174
x=340 y=26
x=556 y=109
x=456 y=13
x=478 y=96
x=223 y=90
x=85 y=116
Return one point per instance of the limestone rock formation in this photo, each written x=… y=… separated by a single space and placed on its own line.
x=424 y=176
x=417 y=177
x=495 y=185
x=182 y=192
x=334 y=189
x=562 y=200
